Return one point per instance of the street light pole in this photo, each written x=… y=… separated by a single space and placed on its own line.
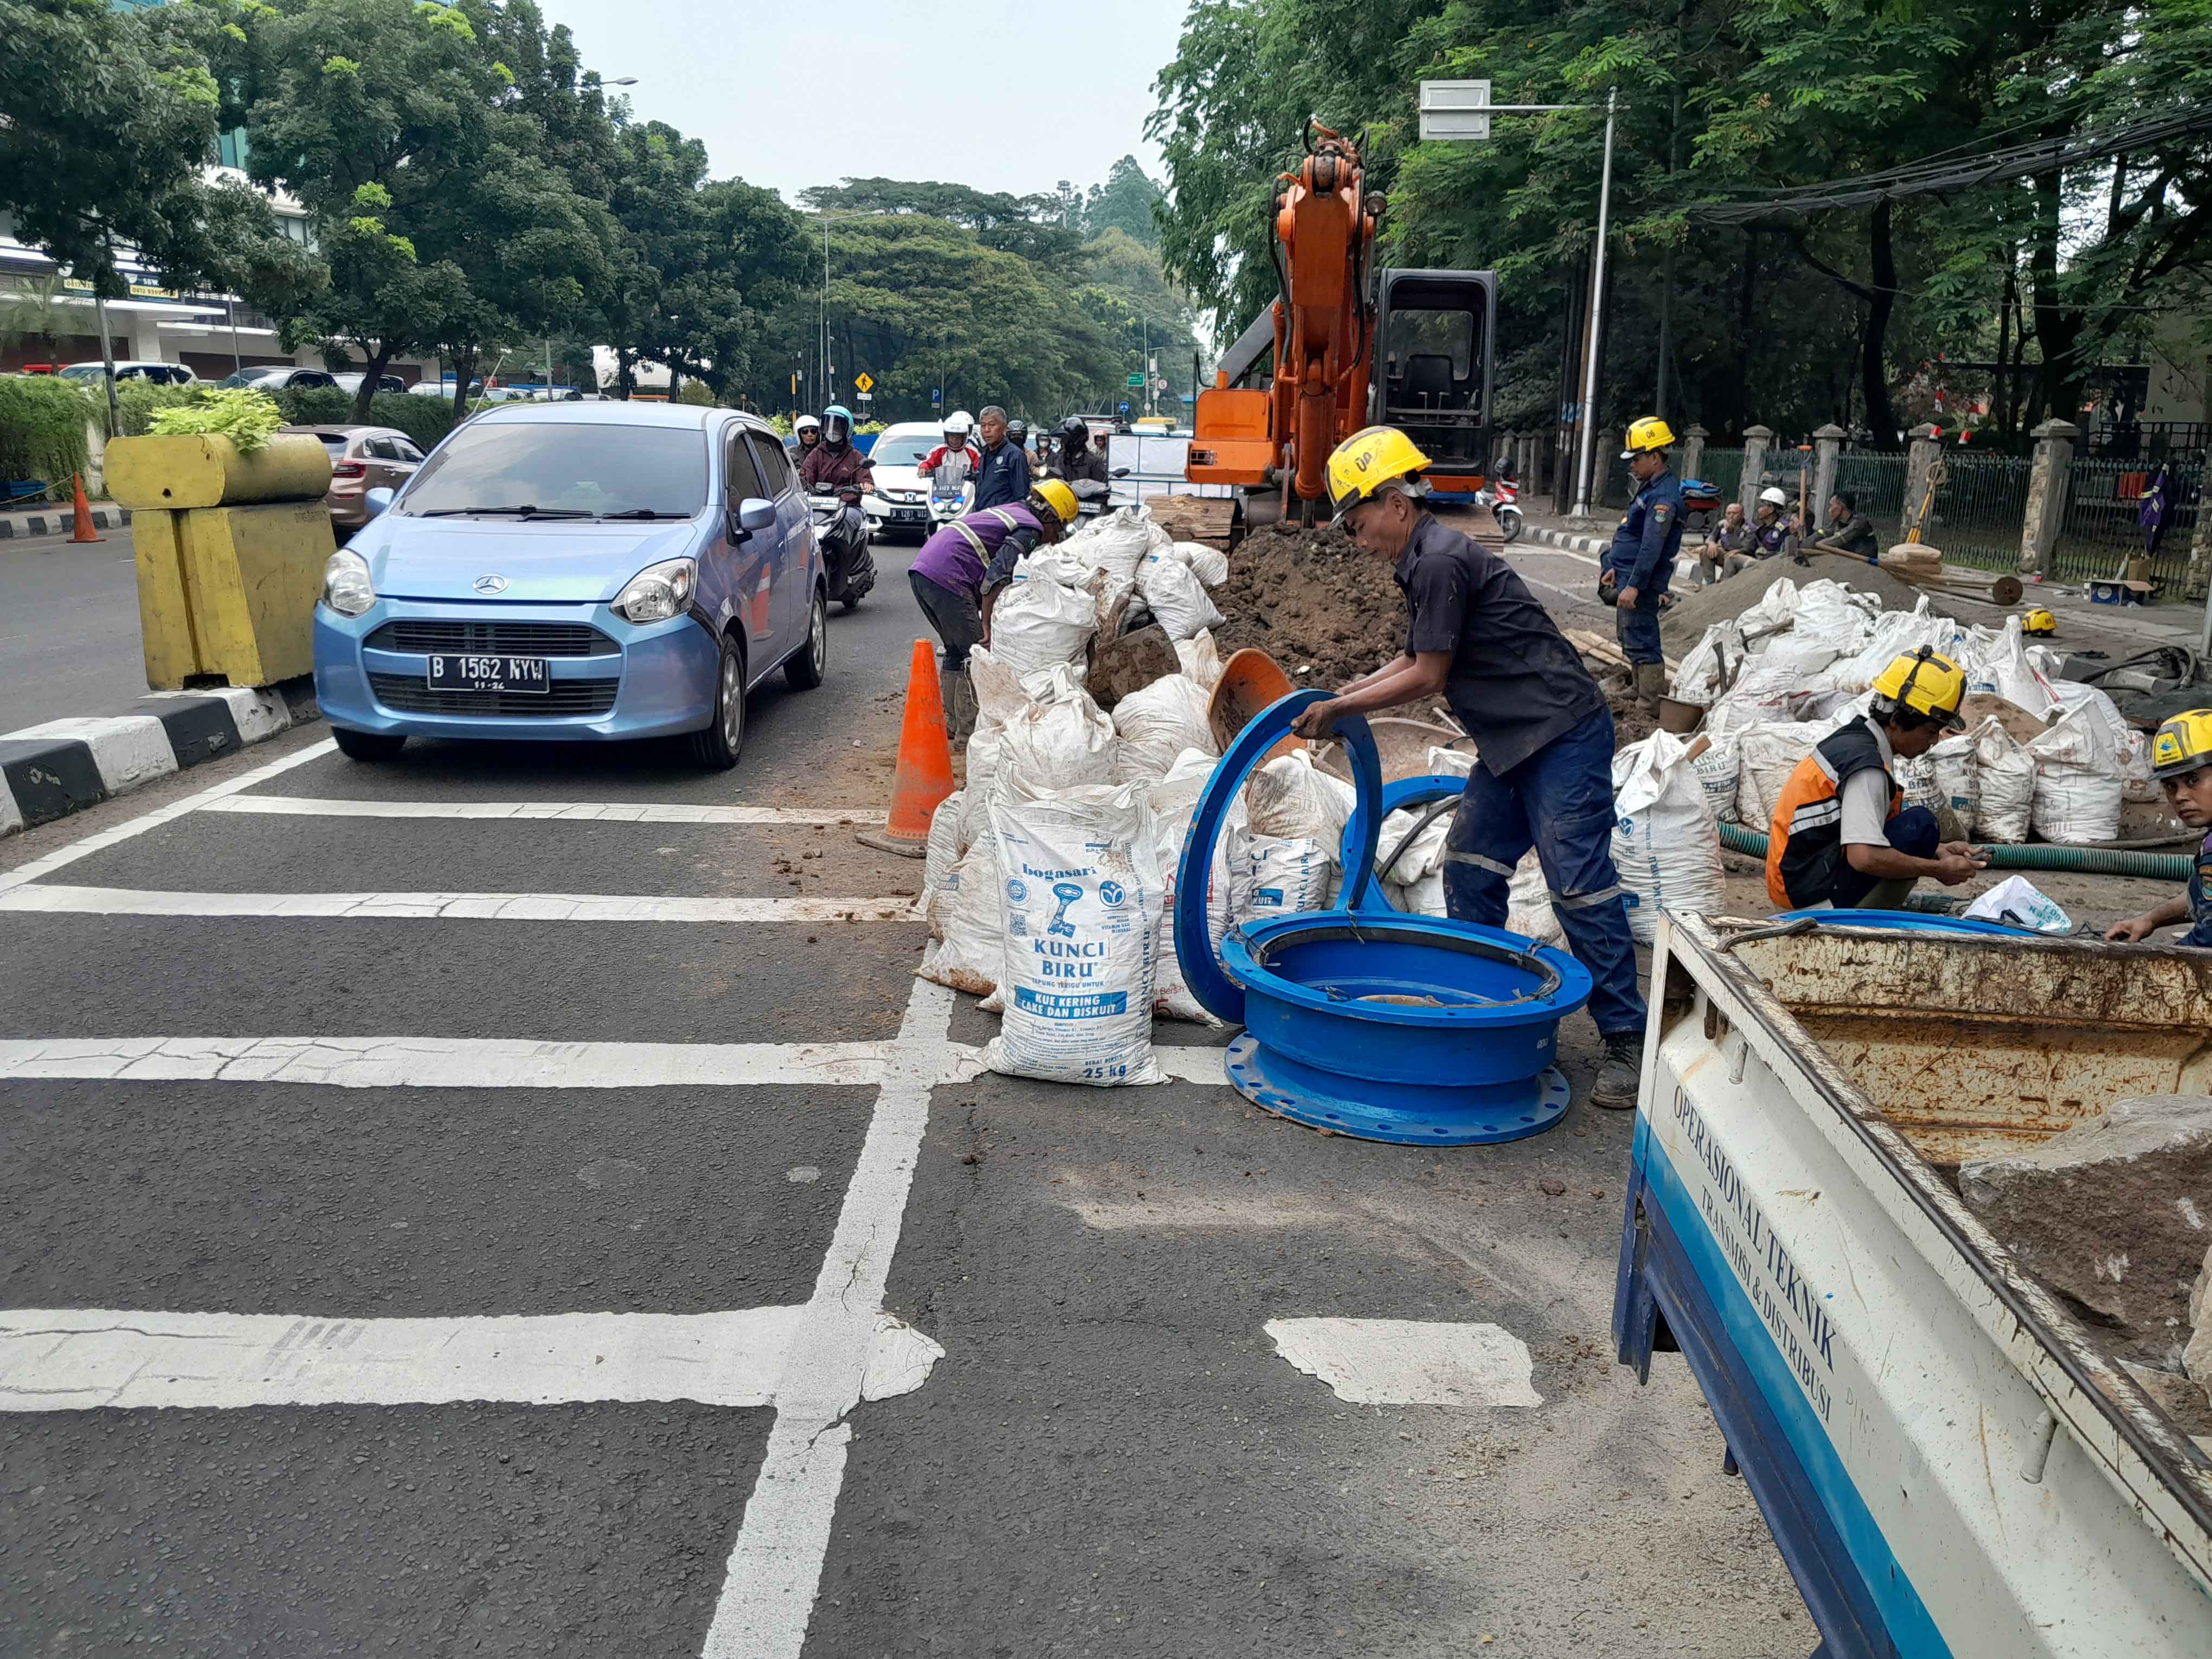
x=1596 y=321
x=825 y=307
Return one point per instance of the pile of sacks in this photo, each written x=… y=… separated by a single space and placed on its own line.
x=1049 y=880
x=2041 y=756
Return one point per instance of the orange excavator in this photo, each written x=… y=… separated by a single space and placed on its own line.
x=1344 y=346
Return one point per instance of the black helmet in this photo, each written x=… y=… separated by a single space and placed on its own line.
x=1018 y=430
x=1075 y=427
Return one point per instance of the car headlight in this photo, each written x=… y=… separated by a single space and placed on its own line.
x=346 y=586
x=658 y=592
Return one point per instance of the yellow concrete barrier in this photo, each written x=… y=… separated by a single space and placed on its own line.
x=188 y=470
x=230 y=551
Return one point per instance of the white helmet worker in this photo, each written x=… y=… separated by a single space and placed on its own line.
x=1773 y=496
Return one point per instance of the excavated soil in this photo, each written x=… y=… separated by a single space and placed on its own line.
x=1322 y=609
x=1695 y=609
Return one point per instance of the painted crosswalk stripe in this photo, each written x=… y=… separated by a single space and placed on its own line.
x=78 y=1358
x=414 y=1062
x=55 y=899
x=542 y=812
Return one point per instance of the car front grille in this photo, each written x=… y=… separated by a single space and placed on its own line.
x=510 y=639
x=407 y=694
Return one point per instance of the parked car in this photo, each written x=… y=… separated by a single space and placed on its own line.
x=900 y=503
x=351 y=382
x=363 y=458
x=150 y=369
x=279 y=377
x=577 y=571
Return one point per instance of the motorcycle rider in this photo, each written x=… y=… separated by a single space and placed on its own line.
x=952 y=463
x=1079 y=461
x=835 y=466
x=808 y=431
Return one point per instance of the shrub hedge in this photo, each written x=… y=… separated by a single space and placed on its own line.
x=42 y=430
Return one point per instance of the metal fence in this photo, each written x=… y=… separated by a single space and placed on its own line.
x=1978 y=508
x=1618 y=489
x=1874 y=480
x=1723 y=470
x=2101 y=527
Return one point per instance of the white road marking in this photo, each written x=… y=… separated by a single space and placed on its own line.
x=78 y=1358
x=24 y=873
x=542 y=811
x=775 y=1567
x=1410 y=1362
x=127 y=749
x=55 y=899
x=413 y=1062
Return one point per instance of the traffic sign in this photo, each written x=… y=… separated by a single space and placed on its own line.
x=1136 y=382
x=1122 y=408
x=863 y=383
x=1455 y=109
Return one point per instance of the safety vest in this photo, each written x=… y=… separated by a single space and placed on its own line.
x=1805 y=841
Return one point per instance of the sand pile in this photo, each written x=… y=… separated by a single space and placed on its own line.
x=1684 y=623
x=1313 y=602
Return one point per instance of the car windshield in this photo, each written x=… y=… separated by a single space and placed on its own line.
x=599 y=469
x=82 y=371
x=904 y=448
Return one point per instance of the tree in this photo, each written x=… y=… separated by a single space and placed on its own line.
x=1124 y=203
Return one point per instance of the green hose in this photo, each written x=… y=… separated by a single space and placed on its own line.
x=2078 y=861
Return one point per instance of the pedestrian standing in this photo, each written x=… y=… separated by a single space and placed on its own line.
x=1002 y=477
x=1543 y=734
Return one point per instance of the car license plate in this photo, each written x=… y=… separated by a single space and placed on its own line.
x=908 y=515
x=490 y=674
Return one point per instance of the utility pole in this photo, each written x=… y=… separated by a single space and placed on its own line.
x=1596 y=322
x=824 y=382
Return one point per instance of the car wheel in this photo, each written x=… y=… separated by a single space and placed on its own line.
x=718 y=747
x=806 y=670
x=368 y=745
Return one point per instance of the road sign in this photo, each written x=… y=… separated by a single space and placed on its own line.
x=1455 y=109
x=1136 y=382
x=936 y=395
x=863 y=383
x=1122 y=409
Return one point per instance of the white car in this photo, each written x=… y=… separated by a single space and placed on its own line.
x=134 y=369
x=900 y=503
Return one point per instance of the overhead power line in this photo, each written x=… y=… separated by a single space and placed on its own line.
x=1949 y=175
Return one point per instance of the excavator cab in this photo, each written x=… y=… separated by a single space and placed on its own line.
x=1434 y=331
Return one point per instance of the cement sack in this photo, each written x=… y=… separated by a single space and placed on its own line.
x=1209 y=564
x=1156 y=723
x=1291 y=796
x=1040 y=625
x=1529 y=903
x=1424 y=853
x=1278 y=875
x=2077 y=781
x=1173 y=800
x=1059 y=739
x=941 y=856
x=1999 y=664
x=1177 y=600
x=1767 y=756
x=2137 y=783
x=1830 y=614
x=967 y=951
x=1775 y=612
x=1115 y=542
x=1713 y=659
x=1080 y=893
x=1200 y=659
x=1664 y=843
x=1053 y=563
x=1895 y=634
x=2004 y=785
x=2019 y=903
x=1719 y=767
x=1951 y=766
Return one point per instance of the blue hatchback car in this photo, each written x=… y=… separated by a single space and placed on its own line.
x=572 y=572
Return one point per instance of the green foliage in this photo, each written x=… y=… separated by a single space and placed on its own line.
x=137 y=402
x=695 y=392
x=426 y=420
x=42 y=429
x=248 y=418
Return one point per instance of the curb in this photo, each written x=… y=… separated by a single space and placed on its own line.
x=51 y=770
x=60 y=522
x=1566 y=541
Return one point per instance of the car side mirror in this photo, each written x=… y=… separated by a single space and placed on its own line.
x=753 y=514
x=377 y=500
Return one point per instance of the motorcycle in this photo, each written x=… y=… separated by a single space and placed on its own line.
x=1502 y=495
x=841 y=530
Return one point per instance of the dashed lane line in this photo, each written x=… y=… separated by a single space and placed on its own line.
x=53 y=898
x=541 y=812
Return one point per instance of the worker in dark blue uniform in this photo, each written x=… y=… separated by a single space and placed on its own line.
x=1543 y=777
x=1641 y=562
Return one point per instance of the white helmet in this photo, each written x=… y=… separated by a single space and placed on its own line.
x=961 y=421
x=805 y=423
x=1773 y=496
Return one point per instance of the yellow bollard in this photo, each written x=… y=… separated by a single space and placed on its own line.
x=230 y=551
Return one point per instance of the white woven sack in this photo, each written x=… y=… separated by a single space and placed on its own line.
x=1155 y=724
x=1664 y=844
x=1036 y=626
x=1178 y=600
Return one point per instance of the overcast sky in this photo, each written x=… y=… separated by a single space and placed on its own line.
x=795 y=93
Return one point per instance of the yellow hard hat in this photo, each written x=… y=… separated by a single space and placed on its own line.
x=1649 y=433
x=1367 y=461
x=2039 y=622
x=2183 y=745
x=1057 y=496
x=1924 y=681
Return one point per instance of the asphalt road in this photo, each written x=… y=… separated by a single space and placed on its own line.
x=69 y=628
x=639 y=1286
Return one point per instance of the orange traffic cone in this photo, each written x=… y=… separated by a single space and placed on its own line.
x=83 y=532
x=925 y=763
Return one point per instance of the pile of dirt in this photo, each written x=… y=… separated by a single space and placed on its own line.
x=1695 y=609
x=1322 y=609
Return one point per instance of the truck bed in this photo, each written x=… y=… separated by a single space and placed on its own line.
x=1950 y=1461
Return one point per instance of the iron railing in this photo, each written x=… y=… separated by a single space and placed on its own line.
x=2100 y=528
x=1980 y=503
x=1723 y=470
x=1874 y=480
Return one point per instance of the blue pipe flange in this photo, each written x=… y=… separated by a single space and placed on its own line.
x=1359 y=1021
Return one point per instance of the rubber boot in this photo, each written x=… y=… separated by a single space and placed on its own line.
x=1650 y=686
x=1620 y=1076
x=959 y=707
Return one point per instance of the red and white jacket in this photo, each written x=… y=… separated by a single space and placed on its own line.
x=949 y=468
